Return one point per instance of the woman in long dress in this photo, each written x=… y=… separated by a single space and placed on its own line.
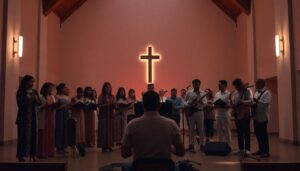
x=78 y=116
x=89 y=115
x=106 y=102
x=121 y=108
x=131 y=100
x=61 y=118
x=27 y=101
x=46 y=130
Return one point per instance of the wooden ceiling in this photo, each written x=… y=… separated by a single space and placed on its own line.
x=62 y=8
x=234 y=8
x=65 y=8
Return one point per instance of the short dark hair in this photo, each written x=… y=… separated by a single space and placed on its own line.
x=196 y=81
x=262 y=81
x=223 y=82
x=79 y=89
x=173 y=89
x=237 y=82
x=60 y=88
x=151 y=100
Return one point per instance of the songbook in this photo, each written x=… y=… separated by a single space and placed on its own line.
x=125 y=105
x=56 y=105
x=79 y=105
x=220 y=103
x=92 y=106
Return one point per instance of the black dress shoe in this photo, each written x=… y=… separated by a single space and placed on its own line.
x=191 y=148
x=256 y=153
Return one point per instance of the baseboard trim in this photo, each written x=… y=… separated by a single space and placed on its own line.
x=8 y=142
x=291 y=142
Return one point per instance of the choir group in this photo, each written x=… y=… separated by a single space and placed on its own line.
x=49 y=122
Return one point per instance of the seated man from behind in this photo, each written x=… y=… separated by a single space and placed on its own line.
x=151 y=135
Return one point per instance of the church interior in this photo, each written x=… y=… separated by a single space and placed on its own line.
x=89 y=42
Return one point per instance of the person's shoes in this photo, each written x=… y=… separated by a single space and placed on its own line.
x=256 y=153
x=33 y=158
x=237 y=152
x=81 y=149
x=21 y=159
x=264 y=155
x=109 y=149
x=247 y=152
x=191 y=148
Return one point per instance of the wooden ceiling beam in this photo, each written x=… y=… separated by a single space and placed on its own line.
x=225 y=9
x=50 y=5
x=71 y=10
x=244 y=5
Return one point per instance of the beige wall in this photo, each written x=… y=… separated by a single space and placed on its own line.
x=265 y=33
x=29 y=29
x=103 y=39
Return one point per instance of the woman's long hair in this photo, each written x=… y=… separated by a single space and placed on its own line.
x=118 y=96
x=24 y=82
x=45 y=89
x=103 y=89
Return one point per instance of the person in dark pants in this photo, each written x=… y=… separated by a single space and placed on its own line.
x=241 y=101
x=262 y=100
x=27 y=100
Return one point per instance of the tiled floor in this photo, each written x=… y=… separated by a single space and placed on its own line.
x=94 y=159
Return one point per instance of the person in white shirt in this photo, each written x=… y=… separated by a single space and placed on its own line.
x=222 y=112
x=196 y=101
x=262 y=100
x=162 y=96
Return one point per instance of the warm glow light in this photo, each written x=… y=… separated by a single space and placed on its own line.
x=279 y=49
x=152 y=61
x=20 y=48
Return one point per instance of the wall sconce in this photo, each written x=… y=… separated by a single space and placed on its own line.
x=18 y=46
x=279 y=46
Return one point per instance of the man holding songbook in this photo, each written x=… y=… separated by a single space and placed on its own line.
x=262 y=100
x=196 y=100
x=178 y=105
x=222 y=104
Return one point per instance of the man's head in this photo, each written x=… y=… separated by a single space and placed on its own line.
x=150 y=87
x=196 y=84
x=151 y=101
x=260 y=84
x=222 y=85
x=183 y=92
x=238 y=84
x=174 y=93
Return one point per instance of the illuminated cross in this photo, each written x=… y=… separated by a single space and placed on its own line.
x=150 y=57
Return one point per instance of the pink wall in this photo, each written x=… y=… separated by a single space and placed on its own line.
x=29 y=29
x=296 y=10
x=11 y=71
x=1 y=76
x=103 y=39
x=296 y=17
x=53 y=48
x=265 y=33
x=242 y=47
x=285 y=106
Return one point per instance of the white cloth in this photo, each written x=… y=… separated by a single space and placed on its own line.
x=263 y=105
x=224 y=96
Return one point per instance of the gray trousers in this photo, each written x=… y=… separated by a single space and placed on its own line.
x=196 y=119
